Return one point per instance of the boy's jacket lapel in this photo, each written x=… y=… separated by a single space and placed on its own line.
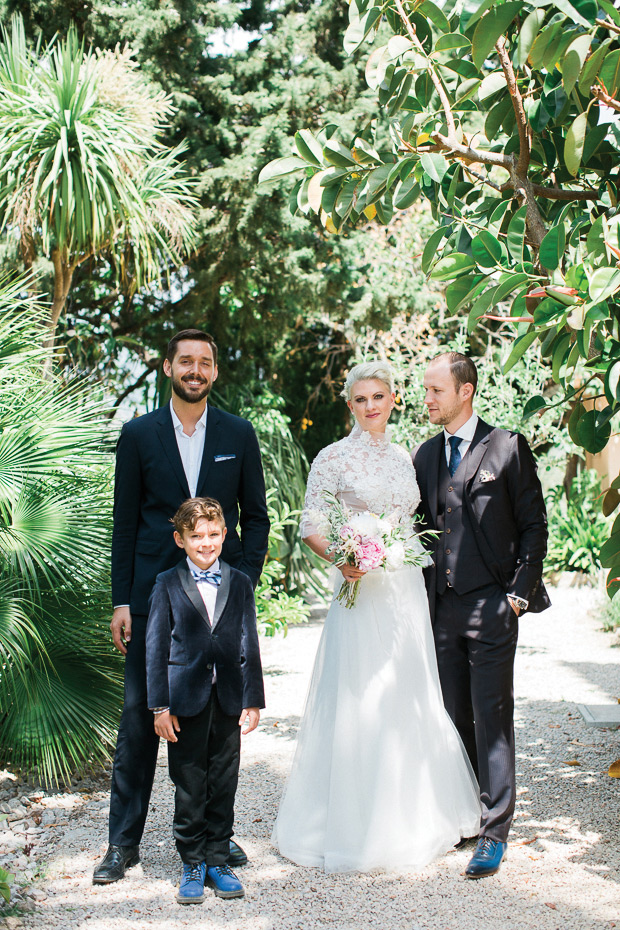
x=191 y=589
x=222 y=593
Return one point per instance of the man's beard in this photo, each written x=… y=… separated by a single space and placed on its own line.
x=190 y=397
x=448 y=416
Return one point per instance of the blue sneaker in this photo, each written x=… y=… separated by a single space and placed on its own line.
x=192 y=887
x=224 y=882
x=487 y=858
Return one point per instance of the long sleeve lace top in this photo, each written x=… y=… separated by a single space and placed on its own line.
x=365 y=473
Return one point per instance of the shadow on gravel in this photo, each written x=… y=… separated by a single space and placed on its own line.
x=565 y=798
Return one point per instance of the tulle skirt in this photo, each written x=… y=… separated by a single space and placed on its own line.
x=380 y=778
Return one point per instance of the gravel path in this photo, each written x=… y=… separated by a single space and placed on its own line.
x=563 y=870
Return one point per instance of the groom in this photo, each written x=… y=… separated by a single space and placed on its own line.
x=480 y=489
x=186 y=448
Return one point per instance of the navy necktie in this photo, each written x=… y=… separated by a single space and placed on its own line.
x=210 y=577
x=455 y=454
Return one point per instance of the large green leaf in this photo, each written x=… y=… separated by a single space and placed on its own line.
x=573 y=61
x=609 y=72
x=359 y=27
x=452 y=265
x=603 y=283
x=487 y=250
x=434 y=165
x=516 y=234
x=593 y=431
x=490 y=28
x=528 y=33
x=574 y=142
x=552 y=247
x=520 y=347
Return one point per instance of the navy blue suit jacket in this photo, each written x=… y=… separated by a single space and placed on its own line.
x=150 y=485
x=183 y=645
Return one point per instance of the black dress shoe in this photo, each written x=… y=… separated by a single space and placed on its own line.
x=236 y=855
x=113 y=865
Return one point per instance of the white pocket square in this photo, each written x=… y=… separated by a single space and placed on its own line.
x=224 y=458
x=486 y=476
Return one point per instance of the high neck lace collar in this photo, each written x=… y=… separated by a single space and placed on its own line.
x=365 y=436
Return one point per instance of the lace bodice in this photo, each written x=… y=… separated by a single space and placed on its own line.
x=365 y=474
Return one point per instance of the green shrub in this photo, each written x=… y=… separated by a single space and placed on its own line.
x=577 y=528
x=60 y=681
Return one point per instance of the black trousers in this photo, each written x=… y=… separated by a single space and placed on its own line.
x=476 y=640
x=204 y=766
x=136 y=748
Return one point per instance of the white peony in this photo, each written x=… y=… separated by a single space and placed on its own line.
x=395 y=556
x=365 y=524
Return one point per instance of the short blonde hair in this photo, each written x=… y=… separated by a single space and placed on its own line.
x=369 y=371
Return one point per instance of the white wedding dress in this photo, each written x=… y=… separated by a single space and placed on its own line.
x=380 y=778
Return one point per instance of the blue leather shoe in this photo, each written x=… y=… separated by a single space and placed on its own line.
x=192 y=887
x=487 y=858
x=224 y=882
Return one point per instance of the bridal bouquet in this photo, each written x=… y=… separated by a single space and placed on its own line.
x=366 y=541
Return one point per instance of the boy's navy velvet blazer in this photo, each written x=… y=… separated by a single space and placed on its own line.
x=183 y=645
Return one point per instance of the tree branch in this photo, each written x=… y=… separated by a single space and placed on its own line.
x=446 y=143
x=605 y=98
x=607 y=25
x=557 y=193
x=445 y=102
x=517 y=103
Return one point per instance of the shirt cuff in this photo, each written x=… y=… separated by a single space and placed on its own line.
x=159 y=710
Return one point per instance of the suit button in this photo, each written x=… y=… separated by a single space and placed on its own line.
x=209 y=667
x=449 y=509
x=448 y=530
x=447 y=571
x=450 y=489
x=448 y=551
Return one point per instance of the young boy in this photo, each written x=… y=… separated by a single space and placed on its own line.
x=204 y=682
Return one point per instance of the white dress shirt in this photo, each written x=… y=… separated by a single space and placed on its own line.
x=190 y=448
x=208 y=592
x=465 y=434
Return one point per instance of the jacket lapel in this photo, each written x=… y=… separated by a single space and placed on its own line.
x=477 y=450
x=222 y=593
x=191 y=589
x=169 y=442
x=212 y=434
x=435 y=450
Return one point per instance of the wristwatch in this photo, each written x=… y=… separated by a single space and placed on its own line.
x=519 y=602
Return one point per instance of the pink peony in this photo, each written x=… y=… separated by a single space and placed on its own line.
x=370 y=555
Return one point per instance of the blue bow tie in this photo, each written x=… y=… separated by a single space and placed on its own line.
x=210 y=577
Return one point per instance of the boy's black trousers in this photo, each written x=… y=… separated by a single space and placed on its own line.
x=204 y=766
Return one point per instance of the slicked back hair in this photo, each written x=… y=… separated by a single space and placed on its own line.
x=368 y=371
x=194 y=509
x=462 y=368
x=197 y=335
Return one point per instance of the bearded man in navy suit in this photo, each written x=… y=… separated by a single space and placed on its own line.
x=479 y=488
x=184 y=449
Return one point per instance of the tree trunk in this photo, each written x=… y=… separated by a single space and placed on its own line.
x=63 y=276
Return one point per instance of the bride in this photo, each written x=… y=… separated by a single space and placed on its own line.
x=380 y=777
